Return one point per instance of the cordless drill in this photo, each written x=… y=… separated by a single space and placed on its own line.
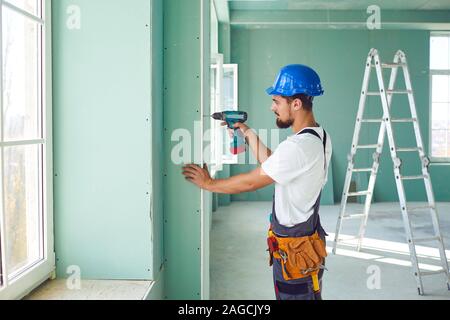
x=231 y=118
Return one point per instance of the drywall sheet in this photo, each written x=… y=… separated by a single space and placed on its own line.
x=186 y=97
x=102 y=138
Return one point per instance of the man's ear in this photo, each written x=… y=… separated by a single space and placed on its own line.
x=297 y=104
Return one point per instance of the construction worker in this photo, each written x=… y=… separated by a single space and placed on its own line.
x=298 y=168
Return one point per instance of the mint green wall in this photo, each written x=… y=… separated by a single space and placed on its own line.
x=103 y=140
x=225 y=41
x=184 y=247
x=339 y=57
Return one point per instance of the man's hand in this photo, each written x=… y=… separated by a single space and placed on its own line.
x=259 y=149
x=198 y=176
x=242 y=126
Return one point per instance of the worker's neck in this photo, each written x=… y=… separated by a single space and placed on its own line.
x=305 y=120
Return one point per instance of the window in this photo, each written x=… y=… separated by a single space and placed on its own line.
x=26 y=246
x=230 y=102
x=440 y=96
x=216 y=106
x=224 y=97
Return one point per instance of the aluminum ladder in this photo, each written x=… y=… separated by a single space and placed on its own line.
x=386 y=123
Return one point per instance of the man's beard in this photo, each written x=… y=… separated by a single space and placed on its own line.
x=284 y=124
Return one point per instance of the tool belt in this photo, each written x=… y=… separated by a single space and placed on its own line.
x=300 y=257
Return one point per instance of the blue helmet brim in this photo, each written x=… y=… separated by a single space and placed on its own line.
x=271 y=91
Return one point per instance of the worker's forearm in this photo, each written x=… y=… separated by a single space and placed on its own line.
x=234 y=185
x=260 y=151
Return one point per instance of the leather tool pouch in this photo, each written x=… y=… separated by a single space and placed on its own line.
x=300 y=257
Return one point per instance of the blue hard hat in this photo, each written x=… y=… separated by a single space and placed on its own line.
x=296 y=79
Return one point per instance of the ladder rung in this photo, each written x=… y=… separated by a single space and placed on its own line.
x=403 y=120
x=392 y=65
x=362 y=170
x=360 y=193
x=399 y=91
x=431 y=273
x=414 y=177
x=419 y=208
x=429 y=239
x=372 y=120
x=353 y=216
x=348 y=239
x=408 y=149
x=368 y=146
x=373 y=94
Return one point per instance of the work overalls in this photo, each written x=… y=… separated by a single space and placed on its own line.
x=300 y=289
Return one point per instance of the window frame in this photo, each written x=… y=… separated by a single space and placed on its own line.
x=434 y=72
x=30 y=278
x=232 y=159
x=216 y=130
x=219 y=135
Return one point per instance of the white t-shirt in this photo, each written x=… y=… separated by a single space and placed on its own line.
x=297 y=167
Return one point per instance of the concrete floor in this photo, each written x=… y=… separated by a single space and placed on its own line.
x=91 y=290
x=239 y=262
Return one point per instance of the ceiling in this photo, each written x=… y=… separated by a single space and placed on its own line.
x=335 y=14
x=338 y=4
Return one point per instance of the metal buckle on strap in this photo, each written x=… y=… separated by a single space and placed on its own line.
x=283 y=255
x=306 y=271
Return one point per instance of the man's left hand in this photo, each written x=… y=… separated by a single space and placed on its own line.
x=197 y=175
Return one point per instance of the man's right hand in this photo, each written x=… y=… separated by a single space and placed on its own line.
x=260 y=151
x=242 y=126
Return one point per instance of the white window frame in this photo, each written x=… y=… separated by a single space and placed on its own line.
x=24 y=282
x=219 y=155
x=216 y=130
x=433 y=72
x=227 y=157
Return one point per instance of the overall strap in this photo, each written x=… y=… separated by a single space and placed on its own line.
x=314 y=133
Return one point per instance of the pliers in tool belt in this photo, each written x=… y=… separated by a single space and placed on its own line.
x=306 y=271
x=283 y=255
